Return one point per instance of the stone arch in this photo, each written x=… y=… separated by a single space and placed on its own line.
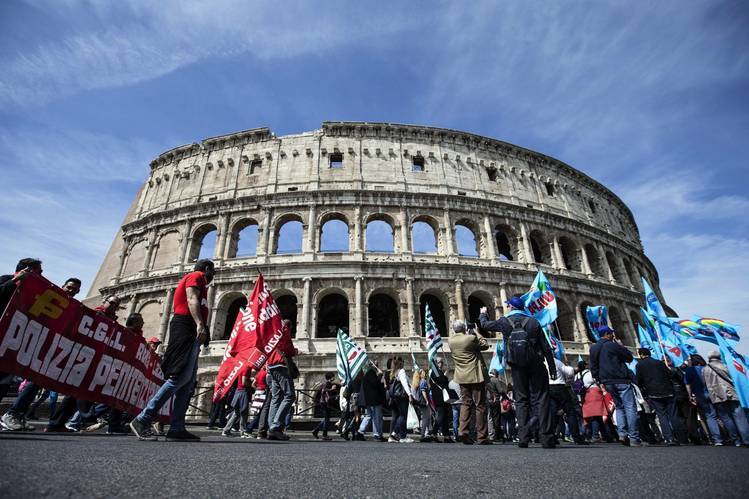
x=244 y=238
x=565 y=321
x=289 y=233
x=288 y=304
x=167 y=249
x=136 y=257
x=226 y=312
x=203 y=242
x=594 y=259
x=507 y=242
x=570 y=254
x=540 y=248
x=151 y=311
x=439 y=306
x=332 y=312
x=383 y=317
x=468 y=238
x=475 y=301
x=426 y=230
x=379 y=234
x=616 y=269
x=335 y=233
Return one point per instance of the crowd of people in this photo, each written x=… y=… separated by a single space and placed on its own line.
x=544 y=400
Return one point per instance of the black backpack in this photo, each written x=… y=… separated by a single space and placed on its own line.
x=520 y=347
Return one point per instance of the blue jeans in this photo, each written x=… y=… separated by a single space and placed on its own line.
x=626 y=410
x=24 y=399
x=400 y=412
x=711 y=418
x=181 y=386
x=374 y=414
x=456 y=419
x=671 y=425
x=734 y=420
x=282 y=391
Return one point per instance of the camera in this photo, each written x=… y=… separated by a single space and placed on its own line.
x=471 y=328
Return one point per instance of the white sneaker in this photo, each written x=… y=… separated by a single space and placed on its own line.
x=407 y=440
x=225 y=433
x=11 y=422
x=392 y=440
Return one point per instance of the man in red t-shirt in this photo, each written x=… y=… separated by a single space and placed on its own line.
x=188 y=330
x=281 y=384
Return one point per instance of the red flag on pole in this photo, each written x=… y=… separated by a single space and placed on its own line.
x=256 y=333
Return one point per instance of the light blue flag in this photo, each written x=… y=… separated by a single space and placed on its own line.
x=738 y=368
x=718 y=326
x=556 y=344
x=498 y=359
x=651 y=301
x=673 y=346
x=540 y=301
x=598 y=317
x=647 y=341
x=434 y=340
x=691 y=349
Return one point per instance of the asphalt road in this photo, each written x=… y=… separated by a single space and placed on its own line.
x=96 y=465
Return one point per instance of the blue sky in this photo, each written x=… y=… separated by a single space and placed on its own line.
x=650 y=100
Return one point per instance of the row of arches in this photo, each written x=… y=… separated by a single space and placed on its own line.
x=384 y=314
x=426 y=235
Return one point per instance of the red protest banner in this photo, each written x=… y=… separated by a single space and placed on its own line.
x=255 y=335
x=60 y=344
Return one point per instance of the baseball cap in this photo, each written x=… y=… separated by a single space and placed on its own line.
x=516 y=302
x=605 y=330
x=154 y=339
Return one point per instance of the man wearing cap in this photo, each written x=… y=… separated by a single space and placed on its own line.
x=154 y=343
x=470 y=374
x=530 y=380
x=608 y=364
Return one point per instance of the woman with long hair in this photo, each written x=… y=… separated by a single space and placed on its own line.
x=400 y=397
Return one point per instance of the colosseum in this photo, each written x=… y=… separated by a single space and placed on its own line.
x=360 y=225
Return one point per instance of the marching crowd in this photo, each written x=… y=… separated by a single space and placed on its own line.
x=544 y=401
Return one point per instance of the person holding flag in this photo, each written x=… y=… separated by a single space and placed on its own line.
x=438 y=382
x=525 y=351
x=188 y=330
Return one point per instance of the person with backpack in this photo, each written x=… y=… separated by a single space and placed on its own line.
x=471 y=375
x=608 y=363
x=400 y=398
x=373 y=390
x=526 y=349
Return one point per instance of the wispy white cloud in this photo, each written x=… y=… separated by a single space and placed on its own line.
x=149 y=41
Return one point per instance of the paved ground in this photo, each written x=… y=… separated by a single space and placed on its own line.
x=63 y=465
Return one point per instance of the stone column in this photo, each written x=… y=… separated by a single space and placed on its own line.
x=586 y=263
x=264 y=233
x=605 y=262
x=185 y=244
x=491 y=245
x=357 y=229
x=405 y=232
x=166 y=311
x=459 y=299
x=121 y=264
x=222 y=234
x=557 y=254
x=306 y=303
x=503 y=297
x=582 y=326
x=215 y=335
x=311 y=230
x=131 y=306
x=150 y=245
x=359 y=306
x=410 y=303
x=526 y=244
x=449 y=239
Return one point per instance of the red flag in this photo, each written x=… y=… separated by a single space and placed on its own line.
x=255 y=335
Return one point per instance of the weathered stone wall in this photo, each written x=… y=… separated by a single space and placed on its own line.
x=525 y=211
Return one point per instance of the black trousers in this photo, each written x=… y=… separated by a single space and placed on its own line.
x=561 y=400
x=444 y=420
x=528 y=382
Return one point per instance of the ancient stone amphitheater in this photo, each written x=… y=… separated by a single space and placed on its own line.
x=359 y=225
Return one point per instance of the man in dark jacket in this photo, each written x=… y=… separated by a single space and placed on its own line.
x=439 y=385
x=373 y=390
x=654 y=380
x=188 y=330
x=529 y=381
x=608 y=365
